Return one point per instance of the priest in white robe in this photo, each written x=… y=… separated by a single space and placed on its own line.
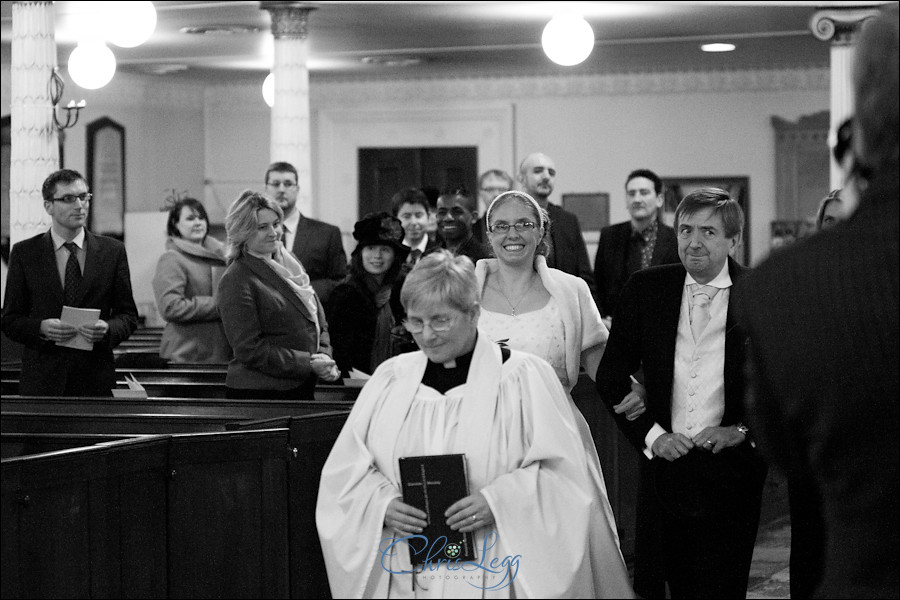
x=538 y=507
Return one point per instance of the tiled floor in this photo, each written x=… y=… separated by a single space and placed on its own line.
x=769 y=571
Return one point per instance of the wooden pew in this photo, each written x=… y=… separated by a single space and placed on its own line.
x=21 y=444
x=246 y=409
x=311 y=439
x=117 y=423
x=201 y=515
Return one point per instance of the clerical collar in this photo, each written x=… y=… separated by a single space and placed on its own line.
x=446 y=376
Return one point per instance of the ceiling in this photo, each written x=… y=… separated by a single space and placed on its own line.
x=440 y=39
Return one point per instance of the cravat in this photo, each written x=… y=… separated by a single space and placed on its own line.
x=701 y=297
x=73 y=275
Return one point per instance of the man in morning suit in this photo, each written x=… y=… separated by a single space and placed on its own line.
x=568 y=253
x=68 y=265
x=317 y=244
x=823 y=316
x=700 y=487
x=636 y=244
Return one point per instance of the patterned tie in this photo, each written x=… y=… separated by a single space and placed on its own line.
x=701 y=297
x=414 y=256
x=73 y=274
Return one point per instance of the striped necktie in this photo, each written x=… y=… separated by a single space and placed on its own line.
x=701 y=297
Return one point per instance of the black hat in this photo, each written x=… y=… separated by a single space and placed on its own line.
x=380 y=229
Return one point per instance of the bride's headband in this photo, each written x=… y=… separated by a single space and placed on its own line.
x=515 y=194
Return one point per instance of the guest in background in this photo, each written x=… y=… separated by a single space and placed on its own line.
x=831 y=210
x=491 y=184
x=411 y=207
x=824 y=322
x=273 y=318
x=68 y=266
x=456 y=213
x=636 y=244
x=315 y=243
x=567 y=251
x=185 y=287
x=359 y=309
x=533 y=497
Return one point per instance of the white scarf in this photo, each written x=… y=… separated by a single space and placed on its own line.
x=290 y=269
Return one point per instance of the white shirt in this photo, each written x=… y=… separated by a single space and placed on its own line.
x=698 y=383
x=62 y=255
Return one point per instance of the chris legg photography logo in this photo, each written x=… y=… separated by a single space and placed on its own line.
x=498 y=572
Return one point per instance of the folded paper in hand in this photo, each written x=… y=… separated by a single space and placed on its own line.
x=77 y=317
x=135 y=389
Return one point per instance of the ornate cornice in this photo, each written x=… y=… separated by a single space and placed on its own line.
x=290 y=20
x=839 y=25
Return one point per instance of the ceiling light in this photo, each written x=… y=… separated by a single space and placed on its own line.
x=568 y=39
x=717 y=47
x=391 y=61
x=130 y=23
x=91 y=65
x=268 y=90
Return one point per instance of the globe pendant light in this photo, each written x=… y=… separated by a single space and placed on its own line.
x=568 y=39
x=91 y=65
x=130 y=23
x=268 y=90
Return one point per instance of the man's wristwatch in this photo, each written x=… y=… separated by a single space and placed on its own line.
x=743 y=429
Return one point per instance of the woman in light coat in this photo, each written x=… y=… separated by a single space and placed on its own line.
x=184 y=287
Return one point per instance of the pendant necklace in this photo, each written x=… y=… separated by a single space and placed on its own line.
x=505 y=297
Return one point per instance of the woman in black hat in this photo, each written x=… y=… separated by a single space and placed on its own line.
x=359 y=312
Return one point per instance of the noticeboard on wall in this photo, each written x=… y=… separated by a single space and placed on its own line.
x=106 y=177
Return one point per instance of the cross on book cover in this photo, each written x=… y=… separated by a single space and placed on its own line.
x=433 y=484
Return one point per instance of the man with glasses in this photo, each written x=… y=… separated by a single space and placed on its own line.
x=68 y=266
x=456 y=212
x=317 y=244
x=568 y=253
x=491 y=184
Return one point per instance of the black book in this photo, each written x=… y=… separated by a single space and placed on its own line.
x=433 y=484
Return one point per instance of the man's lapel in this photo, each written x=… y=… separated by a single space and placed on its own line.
x=301 y=239
x=48 y=265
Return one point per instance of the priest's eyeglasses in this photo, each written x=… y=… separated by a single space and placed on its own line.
x=505 y=227
x=438 y=325
x=72 y=198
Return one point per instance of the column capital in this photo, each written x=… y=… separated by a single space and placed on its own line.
x=289 y=19
x=840 y=25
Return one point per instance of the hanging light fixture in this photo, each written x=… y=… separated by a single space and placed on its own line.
x=92 y=65
x=568 y=39
x=130 y=23
x=268 y=90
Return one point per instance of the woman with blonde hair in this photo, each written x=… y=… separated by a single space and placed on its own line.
x=273 y=318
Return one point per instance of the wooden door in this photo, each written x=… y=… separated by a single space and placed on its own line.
x=385 y=171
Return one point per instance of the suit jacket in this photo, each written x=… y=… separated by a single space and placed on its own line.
x=611 y=262
x=319 y=247
x=644 y=335
x=823 y=321
x=271 y=331
x=569 y=251
x=34 y=292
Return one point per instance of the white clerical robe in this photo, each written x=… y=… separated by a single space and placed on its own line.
x=554 y=527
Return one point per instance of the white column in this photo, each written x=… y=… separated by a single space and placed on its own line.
x=290 y=126
x=840 y=27
x=35 y=146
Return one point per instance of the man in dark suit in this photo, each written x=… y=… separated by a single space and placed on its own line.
x=317 y=244
x=700 y=488
x=823 y=317
x=568 y=253
x=70 y=266
x=636 y=244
